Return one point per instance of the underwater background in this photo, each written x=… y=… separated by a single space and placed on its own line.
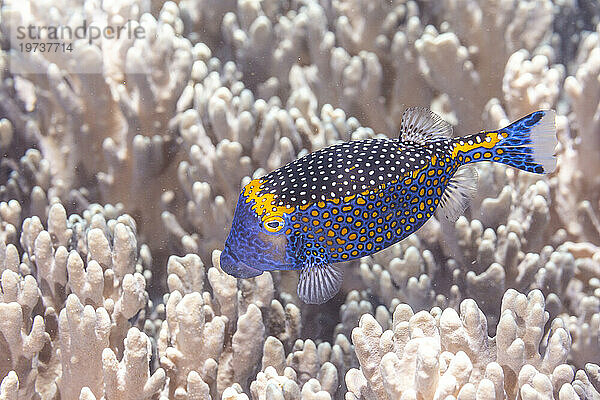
x=123 y=158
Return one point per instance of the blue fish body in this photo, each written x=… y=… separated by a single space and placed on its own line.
x=353 y=199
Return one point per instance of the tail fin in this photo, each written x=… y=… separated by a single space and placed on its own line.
x=527 y=144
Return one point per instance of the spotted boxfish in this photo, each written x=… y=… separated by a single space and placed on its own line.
x=353 y=199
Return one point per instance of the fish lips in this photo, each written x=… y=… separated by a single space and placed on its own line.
x=235 y=267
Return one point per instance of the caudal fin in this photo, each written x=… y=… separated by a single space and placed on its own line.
x=527 y=144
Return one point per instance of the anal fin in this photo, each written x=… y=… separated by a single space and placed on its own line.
x=319 y=283
x=458 y=193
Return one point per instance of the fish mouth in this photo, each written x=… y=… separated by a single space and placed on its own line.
x=235 y=267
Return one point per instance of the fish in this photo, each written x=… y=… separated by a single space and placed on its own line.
x=356 y=198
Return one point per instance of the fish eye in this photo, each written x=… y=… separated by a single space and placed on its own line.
x=273 y=224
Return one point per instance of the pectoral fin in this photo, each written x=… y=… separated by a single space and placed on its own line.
x=319 y=283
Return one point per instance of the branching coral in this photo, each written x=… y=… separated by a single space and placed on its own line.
x=87 y=305
x=477 y=60
x=23 y=337
x=442 y=353
x=169 y=126
x=220 y=326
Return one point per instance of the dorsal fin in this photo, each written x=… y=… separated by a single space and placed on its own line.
x=458 y=193
x=420 y=125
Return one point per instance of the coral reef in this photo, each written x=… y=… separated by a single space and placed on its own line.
x=441 y=353
x=122 y=164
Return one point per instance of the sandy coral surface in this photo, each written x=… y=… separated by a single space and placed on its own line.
x=122 y=164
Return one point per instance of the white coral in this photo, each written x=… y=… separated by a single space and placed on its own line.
x=232 y=89
x=439 y=354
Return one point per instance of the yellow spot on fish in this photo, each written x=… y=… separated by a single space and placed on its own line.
x=264 y=204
